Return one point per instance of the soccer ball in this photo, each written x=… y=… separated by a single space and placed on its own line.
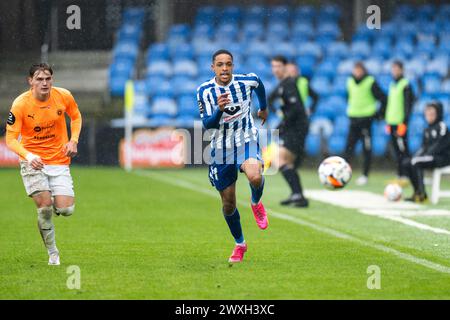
x=334 y=173
x=393 y=192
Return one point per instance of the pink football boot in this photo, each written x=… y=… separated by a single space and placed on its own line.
x=238 y=253
x=260 y=215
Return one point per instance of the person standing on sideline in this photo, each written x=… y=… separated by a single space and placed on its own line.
x=397 y=113
x=363 y=94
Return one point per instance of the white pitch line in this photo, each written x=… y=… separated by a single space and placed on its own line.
x=372 y=204
x=338 y=234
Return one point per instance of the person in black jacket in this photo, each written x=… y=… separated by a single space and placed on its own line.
x=434 y=153
x=304 y=87
x=292 y=129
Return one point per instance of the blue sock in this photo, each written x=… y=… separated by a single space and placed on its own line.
x=257 y=192
x=234 y=223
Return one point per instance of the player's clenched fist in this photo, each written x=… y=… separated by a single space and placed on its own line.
x=70 y=149
x=35 y=161
x=223 y=100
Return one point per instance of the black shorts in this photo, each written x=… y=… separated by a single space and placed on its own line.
x=294 y=141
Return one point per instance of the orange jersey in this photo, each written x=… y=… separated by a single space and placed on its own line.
x=42 y=124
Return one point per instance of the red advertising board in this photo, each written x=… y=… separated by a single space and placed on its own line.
x=155 y=148
x=7 y=157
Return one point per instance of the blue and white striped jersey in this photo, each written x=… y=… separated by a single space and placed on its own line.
x=233 y=127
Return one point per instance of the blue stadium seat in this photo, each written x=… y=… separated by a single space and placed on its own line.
x=180 y=32
x=203 y=30
x=414 y=143
x=438 y=66
x=325 y=111
x=286 y=49
x=129 y=32
x=126 y=49
x=431 y=84
x=182 y=51
x=336 y=144
x=228 y=31
x=121 y=67
x=252 y=31
x=134 y=15
x=381 y=48
x=305 y=13
x=183 y=85
x=160 y=68
x=310 y=49
x=415 y=66
x=277 y=31
x=403 y=48
x=117 y=85
x=158 y=51
x=378 y=128
x=360 y=50
x=337 y=49
x=185 y=67
x=374 y=66
x=446 y=86
x=326 y=69
x=425 y=48
x=313 y=145
x=159 y=88
x=345 y=67
x=329 y=29
x=341 y=126
x=302 y=30
x=163 y=106
x=338 y=103
x=259 y=48
x=187 y=106
x=329 y=12
x=306 y=65
x=384 y=80
x=379 y=145
x=417 y=124
x=321 y=85
x=232 y=14
x=340 y=85
x=204 y=48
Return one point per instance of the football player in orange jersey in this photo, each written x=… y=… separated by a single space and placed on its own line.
x=38 y=117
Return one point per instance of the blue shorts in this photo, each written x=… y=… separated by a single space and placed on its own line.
x=222 y=175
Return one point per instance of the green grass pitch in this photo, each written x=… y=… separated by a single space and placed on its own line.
x=159 y=234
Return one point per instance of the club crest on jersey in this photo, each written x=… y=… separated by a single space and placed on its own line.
x=232 y=109
x=11 y=119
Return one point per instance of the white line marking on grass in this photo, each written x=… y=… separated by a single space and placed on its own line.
x=338 y=234
x=376 y=205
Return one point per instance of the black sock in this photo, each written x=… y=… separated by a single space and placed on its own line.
x=292 y=178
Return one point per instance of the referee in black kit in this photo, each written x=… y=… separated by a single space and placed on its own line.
x=293 y=130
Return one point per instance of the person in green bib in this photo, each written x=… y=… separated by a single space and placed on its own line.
x=304 y=88
x=396 y=114
x=363 y=94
